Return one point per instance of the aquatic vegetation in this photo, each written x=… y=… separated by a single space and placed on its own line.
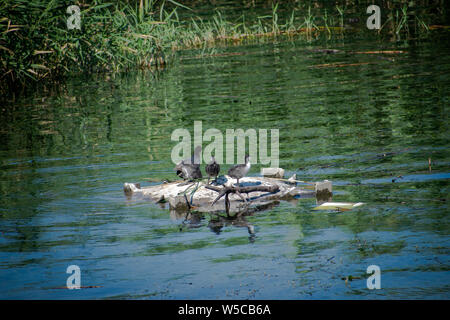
x=36 y=44
x=400 y=21
x=309 y=22
x=341 y=15
x=326 y=21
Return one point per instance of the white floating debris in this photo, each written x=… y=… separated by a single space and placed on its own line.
x=338 y=206
x=272 y=172
x=323 y=186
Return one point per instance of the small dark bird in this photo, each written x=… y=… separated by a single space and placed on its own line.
x=239 y=171
x=212 y=169
x=189 y=169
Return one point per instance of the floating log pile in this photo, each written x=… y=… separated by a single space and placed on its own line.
x=257 y=191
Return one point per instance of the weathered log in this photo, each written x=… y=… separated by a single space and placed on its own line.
x=233 y=189
x=263 y=190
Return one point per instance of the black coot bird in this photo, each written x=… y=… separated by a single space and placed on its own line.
x=212 y=169
x=189 y=169
x=239 y=171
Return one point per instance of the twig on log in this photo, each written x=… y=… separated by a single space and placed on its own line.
x=227 y=204
x=187 y=201
x=227 y=190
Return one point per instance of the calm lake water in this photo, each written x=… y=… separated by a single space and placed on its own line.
x=368 y=122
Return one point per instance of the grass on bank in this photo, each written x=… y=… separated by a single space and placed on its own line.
x=36 y=44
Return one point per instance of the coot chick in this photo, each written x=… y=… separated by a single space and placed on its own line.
x=189 y=169
x=212 y=169
x=239 y=171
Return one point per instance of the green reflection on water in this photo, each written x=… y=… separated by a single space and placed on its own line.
x=64 y=156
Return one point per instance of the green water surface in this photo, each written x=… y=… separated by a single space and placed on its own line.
x=368 y=122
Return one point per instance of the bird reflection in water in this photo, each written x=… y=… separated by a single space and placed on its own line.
x=217 y=222
x=193 y=220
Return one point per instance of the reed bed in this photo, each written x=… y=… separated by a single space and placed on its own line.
x=36 y=44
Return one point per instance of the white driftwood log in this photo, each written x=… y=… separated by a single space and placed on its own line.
x=203 y=198
x=272 y=172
